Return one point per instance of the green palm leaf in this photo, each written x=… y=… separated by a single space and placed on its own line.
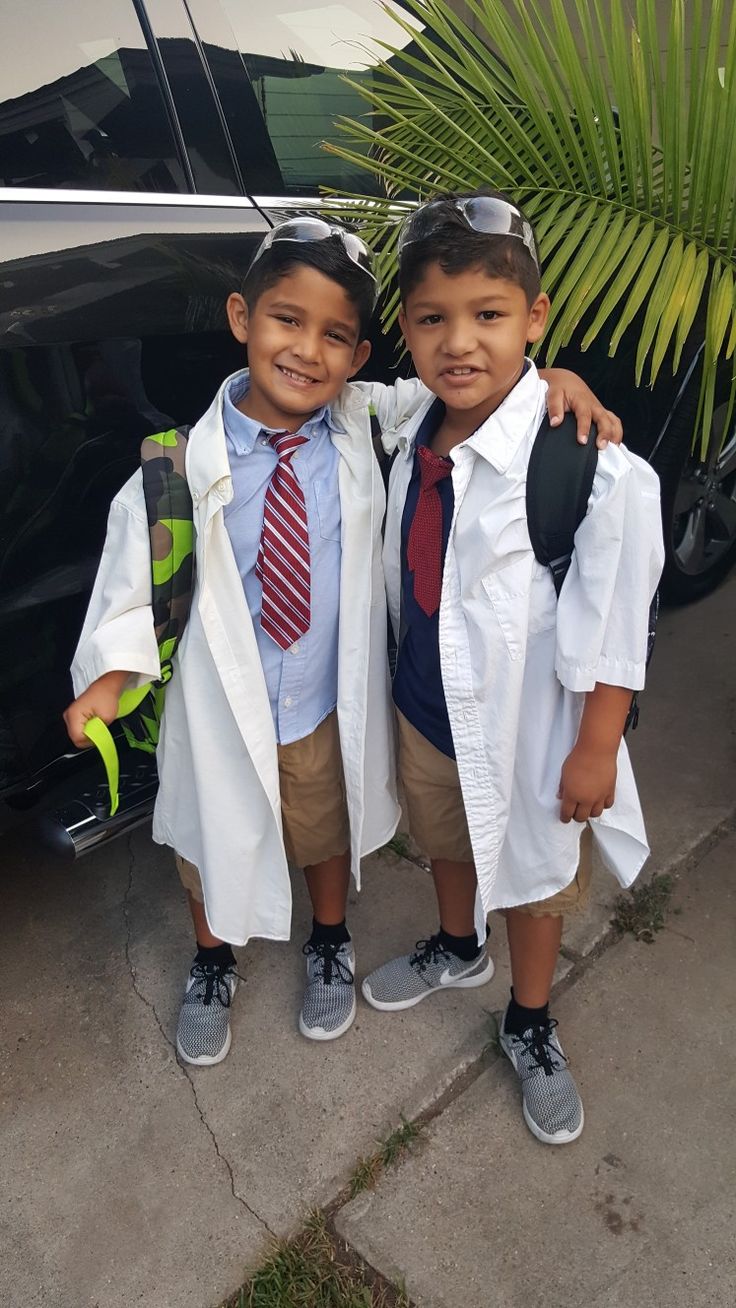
x=634 y=205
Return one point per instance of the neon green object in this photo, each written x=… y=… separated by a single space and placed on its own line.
x=171 y=530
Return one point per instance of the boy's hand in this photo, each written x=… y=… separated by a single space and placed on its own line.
x=100 y=700
x=566 y=392
x=587 y=783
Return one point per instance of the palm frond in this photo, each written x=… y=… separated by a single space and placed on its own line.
x=624 y=157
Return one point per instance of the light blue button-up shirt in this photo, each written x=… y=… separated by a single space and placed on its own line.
x=301 y=680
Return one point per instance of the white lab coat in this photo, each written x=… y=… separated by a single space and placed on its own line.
x=516 y=662
x=218 y=802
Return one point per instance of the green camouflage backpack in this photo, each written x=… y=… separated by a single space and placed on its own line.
x=171 y=530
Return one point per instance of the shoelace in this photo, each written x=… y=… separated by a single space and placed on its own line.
x=428 y=951
x=329 y=964
x=538 y=1042
x=213 y=975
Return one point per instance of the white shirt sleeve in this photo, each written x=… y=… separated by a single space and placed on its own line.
x=118 y=633
x=394 y=405
x=603 y=609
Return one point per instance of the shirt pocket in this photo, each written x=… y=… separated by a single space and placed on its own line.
x=328 y=509
x=508 y=590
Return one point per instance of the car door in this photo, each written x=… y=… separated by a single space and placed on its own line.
x=113 y=278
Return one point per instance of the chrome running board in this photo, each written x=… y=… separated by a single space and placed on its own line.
x=84 y=823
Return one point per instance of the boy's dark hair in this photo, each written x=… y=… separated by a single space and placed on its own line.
x=329 y=257
x=456 y=247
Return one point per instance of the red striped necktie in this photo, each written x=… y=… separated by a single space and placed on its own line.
x=282 y=566
x=424 y=546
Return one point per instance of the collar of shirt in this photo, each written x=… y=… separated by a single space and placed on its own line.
x=499 y=437
x=242 y=432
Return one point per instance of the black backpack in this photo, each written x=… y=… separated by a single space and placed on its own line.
x=558 y=486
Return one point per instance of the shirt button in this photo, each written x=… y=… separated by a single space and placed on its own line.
x=288 y=702
x=295 y=647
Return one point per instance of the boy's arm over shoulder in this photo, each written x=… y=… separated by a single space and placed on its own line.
x=394 y=405
x=118 y=632
x=603 y=610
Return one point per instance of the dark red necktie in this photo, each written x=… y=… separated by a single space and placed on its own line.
x=424 y=546
x=283 y=558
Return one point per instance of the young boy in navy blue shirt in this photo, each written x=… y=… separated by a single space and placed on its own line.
x=511 y=703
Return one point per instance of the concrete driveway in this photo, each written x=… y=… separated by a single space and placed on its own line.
x=130 y=1180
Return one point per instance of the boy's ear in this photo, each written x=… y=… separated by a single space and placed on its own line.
x=538 y=315
x=237 y=316
x=361 y=356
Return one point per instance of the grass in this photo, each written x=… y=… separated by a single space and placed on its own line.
x=493 y=1044
x=643 y=910
x=313 y=1271
x=399 y=844
x=390 y=1151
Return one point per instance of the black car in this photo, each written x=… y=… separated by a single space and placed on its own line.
x=146 y=146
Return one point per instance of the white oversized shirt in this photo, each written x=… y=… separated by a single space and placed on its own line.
x=219 y=800
x=516 y=661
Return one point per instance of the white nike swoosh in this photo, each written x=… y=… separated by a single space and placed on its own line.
x=448 y=977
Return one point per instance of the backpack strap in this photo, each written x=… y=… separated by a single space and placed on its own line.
x=558 y=485
x=171 y=529
x=385 y=461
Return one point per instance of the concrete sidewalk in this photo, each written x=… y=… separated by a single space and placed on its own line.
x=641 y=1211
x=131 y=1180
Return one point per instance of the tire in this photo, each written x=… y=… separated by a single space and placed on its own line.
x=698 y=507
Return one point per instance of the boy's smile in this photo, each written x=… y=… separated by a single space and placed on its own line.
x=467 y=334
x=303 y=345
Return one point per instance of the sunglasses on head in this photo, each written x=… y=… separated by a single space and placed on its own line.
x=482 y=213
x=300 y=230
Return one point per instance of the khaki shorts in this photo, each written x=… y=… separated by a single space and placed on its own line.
x=313 y=805
x=437 y=822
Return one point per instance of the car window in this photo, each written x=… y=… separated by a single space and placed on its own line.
x=296 y=52
x=81 y=105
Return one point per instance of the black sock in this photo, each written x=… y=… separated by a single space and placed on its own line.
x=329 y=935
x=464 y=947
x=518 y=1018
x=221 y=955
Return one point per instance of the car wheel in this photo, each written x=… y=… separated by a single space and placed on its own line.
x=698 y=504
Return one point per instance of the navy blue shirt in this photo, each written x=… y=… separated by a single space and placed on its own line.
x=417 y=688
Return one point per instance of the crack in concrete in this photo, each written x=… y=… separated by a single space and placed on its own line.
x=391 y=1292
x=172 y=1045
x=223 y=1159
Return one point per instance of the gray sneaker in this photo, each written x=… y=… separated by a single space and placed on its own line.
x=329 y=1005
x=203 y=1034
x=553 y=1109
x=405 y=981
